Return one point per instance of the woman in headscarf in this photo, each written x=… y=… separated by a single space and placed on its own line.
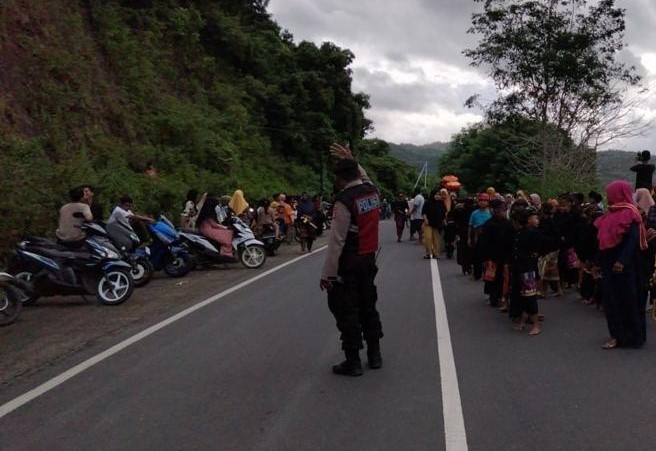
x=446 y=198
x=535 y=201
x=237 y=203
x=644 y=200
x=209 y=226
x=622 y=237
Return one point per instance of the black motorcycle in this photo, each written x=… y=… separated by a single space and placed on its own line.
x=127 y=242
x=96 y=267
x=11 y=298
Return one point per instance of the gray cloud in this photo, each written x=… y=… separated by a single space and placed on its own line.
x=409 y=57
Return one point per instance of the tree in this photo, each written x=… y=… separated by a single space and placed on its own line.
x=554 y=62
x=479 y=156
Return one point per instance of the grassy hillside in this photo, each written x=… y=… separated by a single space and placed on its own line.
x=416 y=156
x=214 y=94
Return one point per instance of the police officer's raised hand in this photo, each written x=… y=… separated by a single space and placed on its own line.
x=341 y=152
x=326 y=284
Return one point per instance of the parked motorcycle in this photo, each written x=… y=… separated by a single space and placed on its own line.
x=165 y=252
x=51 y=269
x=269 y=240
x=245 y=247
x=11 y=297
x=127 y=242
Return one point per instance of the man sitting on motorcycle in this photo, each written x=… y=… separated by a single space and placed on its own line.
x=209 y=226
x=123 y=212
x=71 y=218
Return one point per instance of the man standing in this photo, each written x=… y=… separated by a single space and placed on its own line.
x=476 y=221
x=350 y=266
x=416 y=216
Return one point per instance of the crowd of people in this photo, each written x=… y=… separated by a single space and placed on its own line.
x=298 y=218
x=524 y=249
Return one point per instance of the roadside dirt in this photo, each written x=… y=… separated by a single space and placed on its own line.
x=59 y=328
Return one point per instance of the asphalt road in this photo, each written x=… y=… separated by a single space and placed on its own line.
x=251 y=371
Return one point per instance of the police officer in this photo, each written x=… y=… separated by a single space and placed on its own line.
x=350 y=267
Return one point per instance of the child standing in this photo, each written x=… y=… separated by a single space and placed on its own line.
x=528 y=245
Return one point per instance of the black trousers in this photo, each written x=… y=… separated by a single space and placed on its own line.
x=353 y=302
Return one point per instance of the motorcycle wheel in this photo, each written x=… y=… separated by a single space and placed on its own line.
x=27 y=277
x=10 y=305
x=114 y=287
x=142 y=272
x=252 y=257
x=179 y=266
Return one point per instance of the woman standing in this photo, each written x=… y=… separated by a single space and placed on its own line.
x=307 y=230
x=434 y=213
x=622 y=236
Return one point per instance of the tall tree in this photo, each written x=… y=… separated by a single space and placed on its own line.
x=554 y=62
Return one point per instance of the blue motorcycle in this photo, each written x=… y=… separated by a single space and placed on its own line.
x=165 y=252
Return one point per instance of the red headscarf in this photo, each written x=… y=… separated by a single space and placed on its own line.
x=622 y=212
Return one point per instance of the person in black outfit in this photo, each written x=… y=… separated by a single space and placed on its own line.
x=566 y=224
x=350 y=266
x=495 y=246
x=461 y=214
x=644 y=171
x=400 y=211
x=434 y=214
x=528 y=244
x=587 y=247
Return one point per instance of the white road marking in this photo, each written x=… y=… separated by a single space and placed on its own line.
x=454 y=423
x=66 y=375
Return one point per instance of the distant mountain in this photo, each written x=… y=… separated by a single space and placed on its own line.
x=416 y=155
x=614 y=165
x=611 y=164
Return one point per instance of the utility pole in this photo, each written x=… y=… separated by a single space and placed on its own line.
x=423 y=173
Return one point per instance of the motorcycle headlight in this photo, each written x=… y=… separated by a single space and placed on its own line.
x=112 y=254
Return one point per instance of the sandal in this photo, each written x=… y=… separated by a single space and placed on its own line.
x=611 y=344
x=427 y=257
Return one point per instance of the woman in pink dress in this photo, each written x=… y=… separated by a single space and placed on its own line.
x=209 y=226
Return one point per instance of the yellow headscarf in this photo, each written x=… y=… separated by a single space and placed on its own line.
x=237 y=202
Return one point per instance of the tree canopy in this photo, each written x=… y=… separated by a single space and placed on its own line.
x=555 y=63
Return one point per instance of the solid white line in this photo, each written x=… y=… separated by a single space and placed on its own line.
x=454 y=423
x=66 y=375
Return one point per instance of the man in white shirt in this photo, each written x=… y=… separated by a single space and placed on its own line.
x=416 y=218
x=123 y=214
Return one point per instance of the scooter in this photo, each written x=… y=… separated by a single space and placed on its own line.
x=11 y=297
x=245 y=248
x=50 y=269
x=127 y=242
x=165 y=252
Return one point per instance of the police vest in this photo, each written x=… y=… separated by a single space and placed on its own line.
x=363 y=201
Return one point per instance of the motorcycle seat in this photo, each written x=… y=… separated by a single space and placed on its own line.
x=60 y=252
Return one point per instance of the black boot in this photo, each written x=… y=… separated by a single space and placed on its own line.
x=375 y=360
x=351 y=366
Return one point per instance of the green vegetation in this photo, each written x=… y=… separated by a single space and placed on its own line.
x=214 y=94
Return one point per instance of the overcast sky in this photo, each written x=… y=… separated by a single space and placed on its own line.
x=409 y=59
